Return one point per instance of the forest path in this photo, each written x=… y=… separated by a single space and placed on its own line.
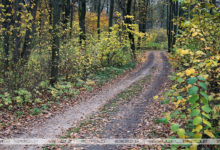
x=126 y=121
x=122 y=117
x=55 y=126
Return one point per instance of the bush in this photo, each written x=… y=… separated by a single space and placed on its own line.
x=26 y=84
x=156 y=40
x=196 y=58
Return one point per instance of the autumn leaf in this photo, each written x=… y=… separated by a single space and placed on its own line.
x=190 y=71
x=194 y=34
x=181 y=133
x=155 y=97
x=209 y=133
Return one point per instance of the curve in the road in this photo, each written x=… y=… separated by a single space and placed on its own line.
x=56 y=125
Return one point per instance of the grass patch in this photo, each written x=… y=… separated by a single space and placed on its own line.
x=35 y=111
x=109 y=73
x=156 y=46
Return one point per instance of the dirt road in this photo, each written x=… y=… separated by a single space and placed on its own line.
x=129 y=115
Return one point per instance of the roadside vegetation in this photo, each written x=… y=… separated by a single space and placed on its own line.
x=195 y=91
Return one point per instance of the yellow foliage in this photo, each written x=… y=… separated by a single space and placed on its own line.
x=190 y=71
x=155 y=97
x=198 y=128
x=199 y=53
x=183 y=52
x=91 y=83
x=209 y=133
x=180 y=74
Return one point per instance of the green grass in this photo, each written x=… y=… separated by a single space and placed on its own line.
x=35 y=111
x=156 y=46
x=109 y=73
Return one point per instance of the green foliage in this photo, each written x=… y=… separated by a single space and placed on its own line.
x=157 y=40
x=196 y=59
x=6 y=100
x=174 y=127
x=35 y=111
x=163 y=120
x=81 y=66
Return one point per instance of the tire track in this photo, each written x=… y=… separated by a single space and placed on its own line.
x=131 y=115
x=56 y=125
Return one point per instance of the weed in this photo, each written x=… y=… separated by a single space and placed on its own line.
x=35 y=111
x=18 y=114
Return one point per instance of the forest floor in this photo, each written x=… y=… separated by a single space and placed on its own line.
x=123 y=109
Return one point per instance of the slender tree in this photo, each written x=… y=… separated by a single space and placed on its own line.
x=6 y=35
x=71 y=17
x=170 y=25
x=173 y=12
x=122 y=7
x=130 y=34
x=142 y=17
x=6 y=24
x=56 y=40
x=26 y=51
x=16 y=32
x=112 y=3
x=82 y=17
x=143 y=5
x=66 y=16
x=98 y=18
x=107 y=7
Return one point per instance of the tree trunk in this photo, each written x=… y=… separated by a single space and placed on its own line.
x=26 y=51
x=82 y=17
x=112 y=3
x=107 y=9
x=66 y=16
x=176 y=17
x=98 y=18
x=16 y=34
x=170 y=26
x=134 y=9
x=130 y=34
x=55 y=41
x=51 y=15
x=143 y=5
x=121 y=4
x=71 y=17
x=6 y=24
x=143 y=9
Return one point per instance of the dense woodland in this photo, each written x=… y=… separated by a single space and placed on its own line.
x=51 y=50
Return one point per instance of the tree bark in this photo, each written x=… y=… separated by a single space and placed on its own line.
x=66 y=16
x=107 y=9
x=142 y=5
x=112 y=3
x=6 y=24
x=121 y=4
x=170 y=26
x=16 y=33
x=82 y=16
x=55 y=41
x=28 y=45
x=71 y=17
x=98 y=18
x=130 y=34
